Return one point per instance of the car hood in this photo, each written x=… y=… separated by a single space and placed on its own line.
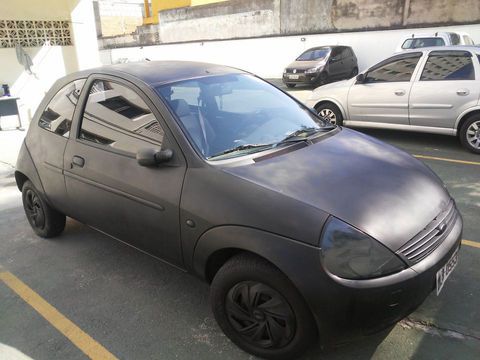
x=335 y=85
x=375 y=187
x=303 y=65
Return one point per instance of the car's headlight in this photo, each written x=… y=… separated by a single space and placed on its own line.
x=351 y=254
x=313 y=70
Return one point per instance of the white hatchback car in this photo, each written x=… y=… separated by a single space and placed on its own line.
x=429 y=90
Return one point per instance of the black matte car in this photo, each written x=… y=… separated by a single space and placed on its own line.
x=318 y=65
x=305 y=230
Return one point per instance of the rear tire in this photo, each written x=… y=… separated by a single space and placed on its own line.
x=331 y=112
x=260 y=310
x=470 y=134
x=44 y=220
x=290 y=85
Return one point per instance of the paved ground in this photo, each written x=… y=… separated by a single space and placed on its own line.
x=139 y=308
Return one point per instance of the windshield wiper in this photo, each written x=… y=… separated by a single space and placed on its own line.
x=296 y=136
x=240 y=148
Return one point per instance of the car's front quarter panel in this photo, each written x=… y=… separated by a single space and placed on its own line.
x=336 y=93
x=213 y=198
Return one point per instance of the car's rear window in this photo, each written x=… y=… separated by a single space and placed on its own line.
x=422 y=42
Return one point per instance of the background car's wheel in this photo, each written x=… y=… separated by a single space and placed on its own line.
x=260 y=310
x=331 y=112
x=354 y=72
x=470 y=134
x=45 y=221
x=290 y=85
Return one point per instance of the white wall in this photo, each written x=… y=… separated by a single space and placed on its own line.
x=268 y=57
x=49 y=62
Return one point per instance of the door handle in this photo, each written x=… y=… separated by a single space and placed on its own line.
x=399 y=92
x=463 y=92
x=77 y=161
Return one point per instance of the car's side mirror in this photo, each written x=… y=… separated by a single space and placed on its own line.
x=153 y=157
x=360 y=78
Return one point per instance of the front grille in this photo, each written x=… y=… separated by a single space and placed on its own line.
x=430 y=238
x=299 y=71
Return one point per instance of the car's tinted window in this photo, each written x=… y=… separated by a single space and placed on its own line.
x=394 y=70
x=455 y=39
x=57 y=116
x=347 y=52
x=423 y=42
x=116 y=117
x=449 y=66
x=314 y=54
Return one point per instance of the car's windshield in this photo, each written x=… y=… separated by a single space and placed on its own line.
x=315 y=54
x=422 y=42
x=237 y=114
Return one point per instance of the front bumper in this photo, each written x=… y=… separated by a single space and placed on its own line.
x=349 y=309
x=302 y=78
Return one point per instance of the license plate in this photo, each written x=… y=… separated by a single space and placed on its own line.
x=293 y=77
x=446 y=270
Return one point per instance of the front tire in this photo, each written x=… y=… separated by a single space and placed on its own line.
x=470 y=134
x=260 y=310
x=322 y=78
x=44 y=220
x=330 y=112
x=354 y=72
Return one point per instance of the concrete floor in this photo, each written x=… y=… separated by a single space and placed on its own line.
x=139 y=308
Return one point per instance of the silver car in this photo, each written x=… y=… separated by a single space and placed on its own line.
x=428 y=90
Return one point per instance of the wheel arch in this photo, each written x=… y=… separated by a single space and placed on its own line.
x=220 y=243
x=296 y=260
x=334 y=102
x=26 y=170
x=464 y=117
x=20 y=179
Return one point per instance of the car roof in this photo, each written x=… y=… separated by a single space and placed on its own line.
x=325 y=46
x=155 y=73
x=472 y=48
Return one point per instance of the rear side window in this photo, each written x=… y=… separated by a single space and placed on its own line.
x=57 y=116
x=415 y=43
x=116 y=117
x=467 y=40
x=455 y=39
x=448 y=66
x=394 y=70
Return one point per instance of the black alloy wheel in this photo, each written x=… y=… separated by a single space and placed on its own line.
x=260 y=314
x=44 y=220
x=34 y=209
x=260 y=309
